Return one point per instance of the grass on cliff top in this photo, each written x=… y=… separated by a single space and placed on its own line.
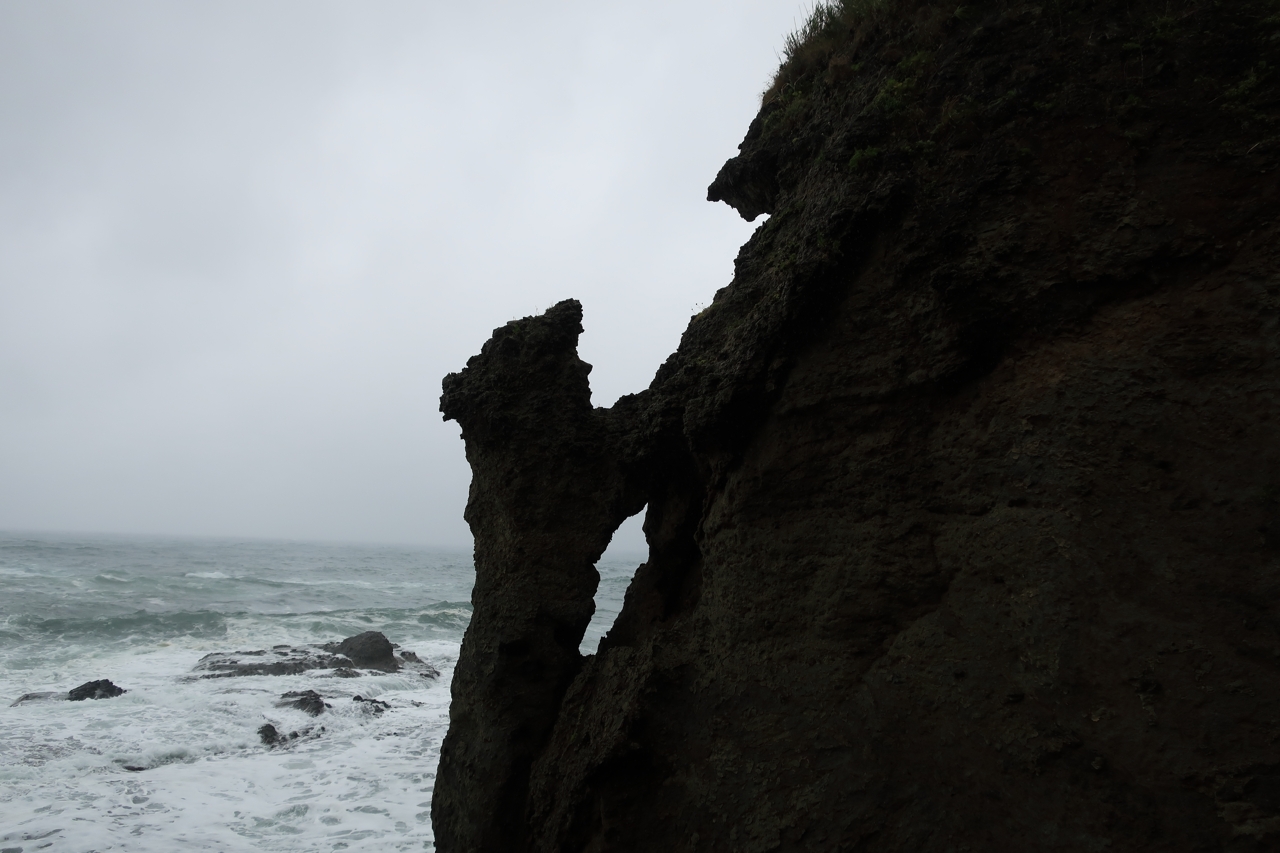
x=827 y=27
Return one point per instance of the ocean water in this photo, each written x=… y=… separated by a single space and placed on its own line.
x=143 y=611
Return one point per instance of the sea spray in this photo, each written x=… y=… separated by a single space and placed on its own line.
x=177 y=762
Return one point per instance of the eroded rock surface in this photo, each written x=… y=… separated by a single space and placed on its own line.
x=547 y=492
x=963 y=497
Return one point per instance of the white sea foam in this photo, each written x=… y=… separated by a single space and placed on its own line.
x=143 y=612
x=363 y=783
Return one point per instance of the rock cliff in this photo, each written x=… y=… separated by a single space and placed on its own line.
x=963 y=498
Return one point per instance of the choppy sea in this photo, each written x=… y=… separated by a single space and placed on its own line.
x=142 y=611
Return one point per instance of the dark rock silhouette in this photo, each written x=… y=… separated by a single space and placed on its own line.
x=964 y=496
x=525 y=406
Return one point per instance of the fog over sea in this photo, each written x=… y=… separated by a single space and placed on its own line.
x=142 y=611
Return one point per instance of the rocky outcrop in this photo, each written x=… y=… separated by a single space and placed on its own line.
x=370 y=651
x=303 y=700
x=373 y=706
x=101 y=689
x=964 y=496
x=273 y=737
x=547 y=492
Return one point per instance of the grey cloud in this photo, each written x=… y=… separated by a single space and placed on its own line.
x=240 y=243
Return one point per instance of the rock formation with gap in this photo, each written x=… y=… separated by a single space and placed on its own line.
x=964 y=495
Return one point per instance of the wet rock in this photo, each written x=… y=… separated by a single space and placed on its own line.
x=304 y=700
x=409 y=660
x=370 y=649
x=291 y=660
x=377 y=706
x=101 y=689
x=524 y=405
x=273 y=737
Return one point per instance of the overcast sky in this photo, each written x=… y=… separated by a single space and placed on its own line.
x=242 y=242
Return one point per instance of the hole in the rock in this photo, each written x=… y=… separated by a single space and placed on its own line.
x=626 y=551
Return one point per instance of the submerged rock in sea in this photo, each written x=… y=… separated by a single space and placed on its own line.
x=287 y=660
x=273 y=737
x=964 y=495
x=39 y=696
x=304 y=700
x=370 y=651
x=376 y=706
x=100 y=689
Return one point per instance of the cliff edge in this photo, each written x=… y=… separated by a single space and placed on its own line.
x=963 y=498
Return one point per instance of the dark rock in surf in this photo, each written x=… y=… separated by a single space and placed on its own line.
x=102 y=689
x=370 y=650
x=377 y=706
x=304 y=700
x=289 y=660
x=273 y=737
